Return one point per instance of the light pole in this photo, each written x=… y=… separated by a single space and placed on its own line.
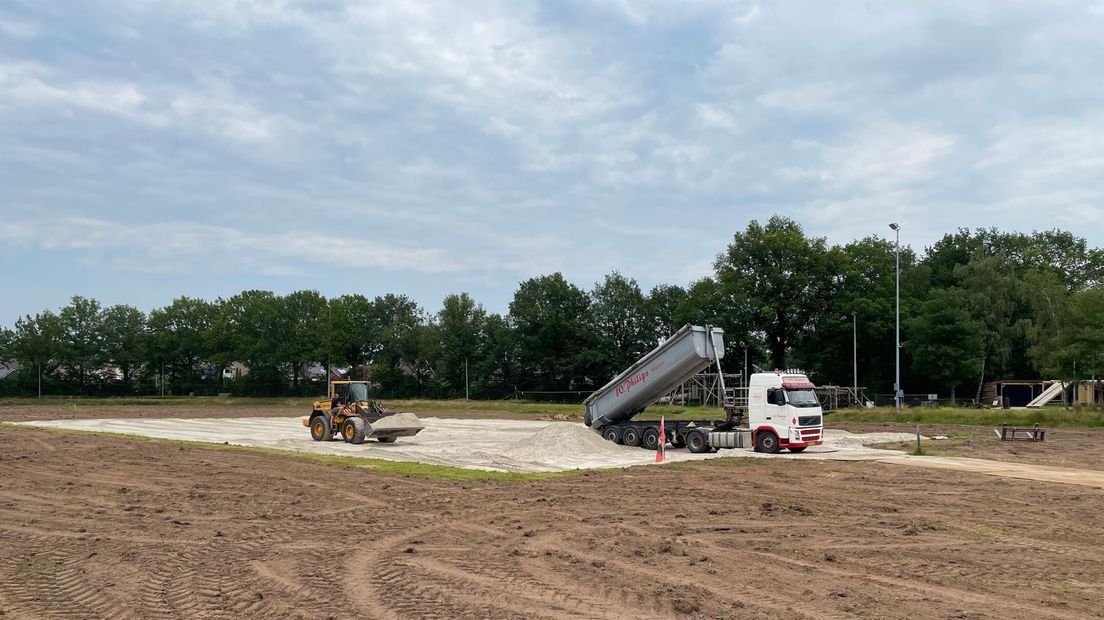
x=897 y=381
x=855 y=353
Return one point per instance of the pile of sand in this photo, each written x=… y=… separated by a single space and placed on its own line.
x=562 y=440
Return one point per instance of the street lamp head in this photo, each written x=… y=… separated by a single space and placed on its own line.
x=894 y=226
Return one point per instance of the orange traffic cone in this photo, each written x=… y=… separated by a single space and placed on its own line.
x=661 y=448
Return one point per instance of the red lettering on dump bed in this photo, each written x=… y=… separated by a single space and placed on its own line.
x=627 y=384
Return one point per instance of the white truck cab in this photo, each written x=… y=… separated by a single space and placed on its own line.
x=783 y=412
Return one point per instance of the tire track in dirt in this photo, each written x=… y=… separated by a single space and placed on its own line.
x=50 y=580
x=380 y=582
x=505 y=582
x=621 y=580
x=773 y=566
x=172 y=590
x=528 y=577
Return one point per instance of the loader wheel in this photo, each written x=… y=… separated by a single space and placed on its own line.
x=387 y=439
x=650 y=439
x=696 y=442
x=767 y=442
x=352 y=430
x=612 y=433
x=321 y=429
x=631 y=436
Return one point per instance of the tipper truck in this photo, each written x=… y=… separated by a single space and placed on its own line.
x=781 y=406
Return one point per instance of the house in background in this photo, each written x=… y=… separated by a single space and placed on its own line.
x=235 y=370
x=7 y=368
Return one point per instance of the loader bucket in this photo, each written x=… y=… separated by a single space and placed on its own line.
x=397 y=425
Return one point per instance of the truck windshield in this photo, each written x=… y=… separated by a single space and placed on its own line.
x=802 y=397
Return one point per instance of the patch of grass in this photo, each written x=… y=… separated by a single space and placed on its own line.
x=1048 y=417
x=154 y=401
x=380 y=466
x=928 y=447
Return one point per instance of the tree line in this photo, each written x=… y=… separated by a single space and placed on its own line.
x=976 y=305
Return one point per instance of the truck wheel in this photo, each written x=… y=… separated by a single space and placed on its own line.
x=352 y=430
x=320 y=428
x=697 y=442
x=612 y=433
x=798 y=450
x=387 y=439
x=677 y=441
x=631 y=436
x=766 y=441
x=650 y=439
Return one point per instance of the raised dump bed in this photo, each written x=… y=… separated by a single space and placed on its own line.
x=689 y=351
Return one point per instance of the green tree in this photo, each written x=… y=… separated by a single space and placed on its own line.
x=399 y=361
x=620 y=324
x=82 y=345
x=499 y=364
x=351 y=331
x=945 y=341
x=864 y=302
x=782 y=276
x=549 y=315
x=124 y=341
x=995 y=300
x=7 y=337
x=662 y=304
x=1076 y=350
x=460 y=338
x=180 y=337
x=36 y=344
x=299 y=332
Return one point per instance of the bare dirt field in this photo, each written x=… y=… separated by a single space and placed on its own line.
x=1063 y=447
x=94 y=526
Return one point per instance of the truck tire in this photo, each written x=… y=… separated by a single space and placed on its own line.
x=649 y=440
x=677 y=441
x=612 y=433
x=320 y=428
x=697 y=442
x=798 y=450
x=631 y=436
x=766 y=442
x=352 y=430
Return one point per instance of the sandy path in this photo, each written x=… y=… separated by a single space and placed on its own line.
x=533 y=446
x=1025 y=471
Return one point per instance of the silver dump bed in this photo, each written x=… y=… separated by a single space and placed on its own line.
x=673 y=362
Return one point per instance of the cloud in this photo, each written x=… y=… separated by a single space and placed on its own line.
x=486 y=142
x=32 y=85
x=876 y=173
x=1052 y=170
x=175 y=246
x=28 y=84
x=18 y=28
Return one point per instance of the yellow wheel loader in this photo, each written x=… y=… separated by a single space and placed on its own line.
x=349 y=414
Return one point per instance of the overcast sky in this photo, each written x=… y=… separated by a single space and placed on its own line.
x=151 y=149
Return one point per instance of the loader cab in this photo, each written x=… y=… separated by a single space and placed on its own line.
x=784 y=412
x=349 y=391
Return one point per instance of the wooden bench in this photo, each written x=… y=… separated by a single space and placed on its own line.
x=1015 y=433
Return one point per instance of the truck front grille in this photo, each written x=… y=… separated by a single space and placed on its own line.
x=809 y=420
